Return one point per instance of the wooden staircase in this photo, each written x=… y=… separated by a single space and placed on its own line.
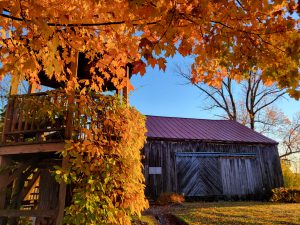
x=31 y=191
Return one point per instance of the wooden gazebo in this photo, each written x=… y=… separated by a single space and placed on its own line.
x=28 y=151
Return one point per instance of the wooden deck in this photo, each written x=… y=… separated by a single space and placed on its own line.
x=35 y=118
x=25 y=148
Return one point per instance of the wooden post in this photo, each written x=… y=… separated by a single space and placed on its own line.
x=4 y=161
x=8 y=118
x=16 y=196
x=48 y=196
x=62 y=196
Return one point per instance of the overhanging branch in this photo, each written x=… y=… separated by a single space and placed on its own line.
x=81 y=24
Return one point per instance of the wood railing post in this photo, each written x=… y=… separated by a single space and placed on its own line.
x=7 y=126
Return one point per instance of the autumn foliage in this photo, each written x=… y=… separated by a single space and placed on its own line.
x=221 y=35
x=170 y=198
x=44 y=38
x=104 y=167
x=290 y=195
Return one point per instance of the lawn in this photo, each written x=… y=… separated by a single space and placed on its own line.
x=238 y=213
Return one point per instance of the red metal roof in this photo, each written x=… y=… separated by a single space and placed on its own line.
x=202 y=129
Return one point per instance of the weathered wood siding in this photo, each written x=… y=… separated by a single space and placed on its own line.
x=240 y=176
x=230 y=176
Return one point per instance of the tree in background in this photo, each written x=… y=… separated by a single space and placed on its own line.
x=290 y=134
x=249 y=102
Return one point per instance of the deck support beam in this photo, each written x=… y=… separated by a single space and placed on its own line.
x=62 y=196
x=4 y=162
x=31 y=148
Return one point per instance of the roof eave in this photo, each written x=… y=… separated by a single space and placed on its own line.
x=212 y=141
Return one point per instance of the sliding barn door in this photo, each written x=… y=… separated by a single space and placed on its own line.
x=240 y=176
x=198 y=176
x=213 y=174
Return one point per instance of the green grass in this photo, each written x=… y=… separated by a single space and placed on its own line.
x=238 y=213
x=149 y=219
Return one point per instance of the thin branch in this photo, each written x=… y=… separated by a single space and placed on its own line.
x=81 y=24
x=289 y=153
x=269 y=103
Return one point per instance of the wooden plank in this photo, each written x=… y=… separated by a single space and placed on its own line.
x=48 y=195
x=27 y=213
x=62 y=196
x=20 y=121
x=4 y=161
x=188 y=176
x=210 y=176
x=31 y=148
x=35 y=131
x=15 y=115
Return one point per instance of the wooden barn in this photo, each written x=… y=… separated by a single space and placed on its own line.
x=218 y=159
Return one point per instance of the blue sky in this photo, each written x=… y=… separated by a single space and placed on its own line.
x=166 y=94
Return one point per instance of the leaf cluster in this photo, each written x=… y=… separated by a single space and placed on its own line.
x=291 y=195
x=104 y=167
x=42 y=37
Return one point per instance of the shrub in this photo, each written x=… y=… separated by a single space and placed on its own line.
x=169 y=198
x=291 y=180
x=286 y=195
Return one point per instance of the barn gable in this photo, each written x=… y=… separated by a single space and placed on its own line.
x=205 y=158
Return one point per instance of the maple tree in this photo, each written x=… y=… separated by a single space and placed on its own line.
x=220 y=34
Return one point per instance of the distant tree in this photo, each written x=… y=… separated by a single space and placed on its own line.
x=291 y=137
x=250 y=102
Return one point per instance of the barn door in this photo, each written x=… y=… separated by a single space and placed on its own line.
x=188 y=175
x=240 y=176
x=198 y=176
x=210 y=176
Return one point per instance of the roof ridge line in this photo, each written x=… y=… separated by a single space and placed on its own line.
x=189 y=118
